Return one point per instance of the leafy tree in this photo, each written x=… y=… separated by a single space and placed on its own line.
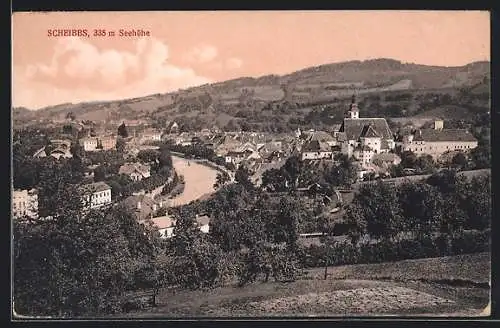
x=380 y=209
x=78 y=263
x=221 y=179
x=120 y=145
x=149 y=156
x=122 y=131
x=425 y=164
x=477 y=203
x=421 y=207
x=408 y=159
x=242 y=176
x=71 y=116
x=342 y=173
x=481 y=157
x=356 y=222
x=459 y=161
x=292 y=168
x=274 y=180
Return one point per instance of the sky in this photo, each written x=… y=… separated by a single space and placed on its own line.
x=186 y=49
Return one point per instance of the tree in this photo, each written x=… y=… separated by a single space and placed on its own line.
x=481 y=157
x=408 y=159
x=242 y=176
x=477 y=203
x=274 y=180
x=221 y=179
x=424 y=164
x=292 y=169
x=421 y=207
x=459 y=161
x=149 y=156
x=71 y=116
x=380 y=209
x=78 y=263
x=120 y=145
x=122 y=131
x=342 y=172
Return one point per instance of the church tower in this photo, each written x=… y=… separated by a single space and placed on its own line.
x=353 y=108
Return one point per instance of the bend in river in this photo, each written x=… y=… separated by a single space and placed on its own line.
x=199 y=180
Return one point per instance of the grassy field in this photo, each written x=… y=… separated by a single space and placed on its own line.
x=407 y=288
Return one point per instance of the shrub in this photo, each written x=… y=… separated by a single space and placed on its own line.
x=344 y=253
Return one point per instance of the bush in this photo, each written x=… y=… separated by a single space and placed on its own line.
x=344 y=253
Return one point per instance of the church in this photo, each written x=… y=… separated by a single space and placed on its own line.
x=363 y=138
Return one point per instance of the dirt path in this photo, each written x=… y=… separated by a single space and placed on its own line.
x=199 y=180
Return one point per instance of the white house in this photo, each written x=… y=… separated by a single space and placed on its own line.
x=25 y=203
x=151 y=135
x=96 y=194
x=89 y=144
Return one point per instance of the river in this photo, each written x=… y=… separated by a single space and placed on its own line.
x=199 y=180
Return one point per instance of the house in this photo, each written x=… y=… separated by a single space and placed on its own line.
x=61 y=150
x=89 y=143
x=151 y=135
x=203 y=222
x=318 y=146
x=241 y=153
x=438 y=141
x=385 y=160
x=136 y=171
x=25 y=203
x=173 y=128
x=96 y=194
x=362 y=138
x=164 y=224
x=107 y=142
x=141 y=206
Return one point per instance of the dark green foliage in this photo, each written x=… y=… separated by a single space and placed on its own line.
x=344 y=253
x=122 y=131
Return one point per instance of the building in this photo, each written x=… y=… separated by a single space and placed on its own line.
x=25 y=203
x=166 y=224
x=142 y=206
x=89 y=143
x=96 y=194
x=437 y=141
x=362 y=138
x=151 y=135
x=318 y=145
x=136 y=171
x=173 y=128
x=107 y=142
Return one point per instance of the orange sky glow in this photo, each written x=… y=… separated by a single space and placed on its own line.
x=191 y=48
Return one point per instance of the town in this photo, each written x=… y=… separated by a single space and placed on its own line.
x=255 y=164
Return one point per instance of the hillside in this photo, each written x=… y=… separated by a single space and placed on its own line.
x=300 y=91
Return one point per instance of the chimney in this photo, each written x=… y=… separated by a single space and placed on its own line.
x=139 y=205
x=154 y=207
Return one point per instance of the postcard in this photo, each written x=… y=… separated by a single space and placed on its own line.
x=251 y=164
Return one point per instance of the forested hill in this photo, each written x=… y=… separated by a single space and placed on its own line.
x=232 y=100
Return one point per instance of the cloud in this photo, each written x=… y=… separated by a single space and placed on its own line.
x=79 y=71
x=202 y=54
x=233 y=63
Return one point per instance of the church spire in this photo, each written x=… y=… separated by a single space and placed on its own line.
x=353 y=108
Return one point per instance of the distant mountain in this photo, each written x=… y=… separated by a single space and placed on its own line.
x=319 y=84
